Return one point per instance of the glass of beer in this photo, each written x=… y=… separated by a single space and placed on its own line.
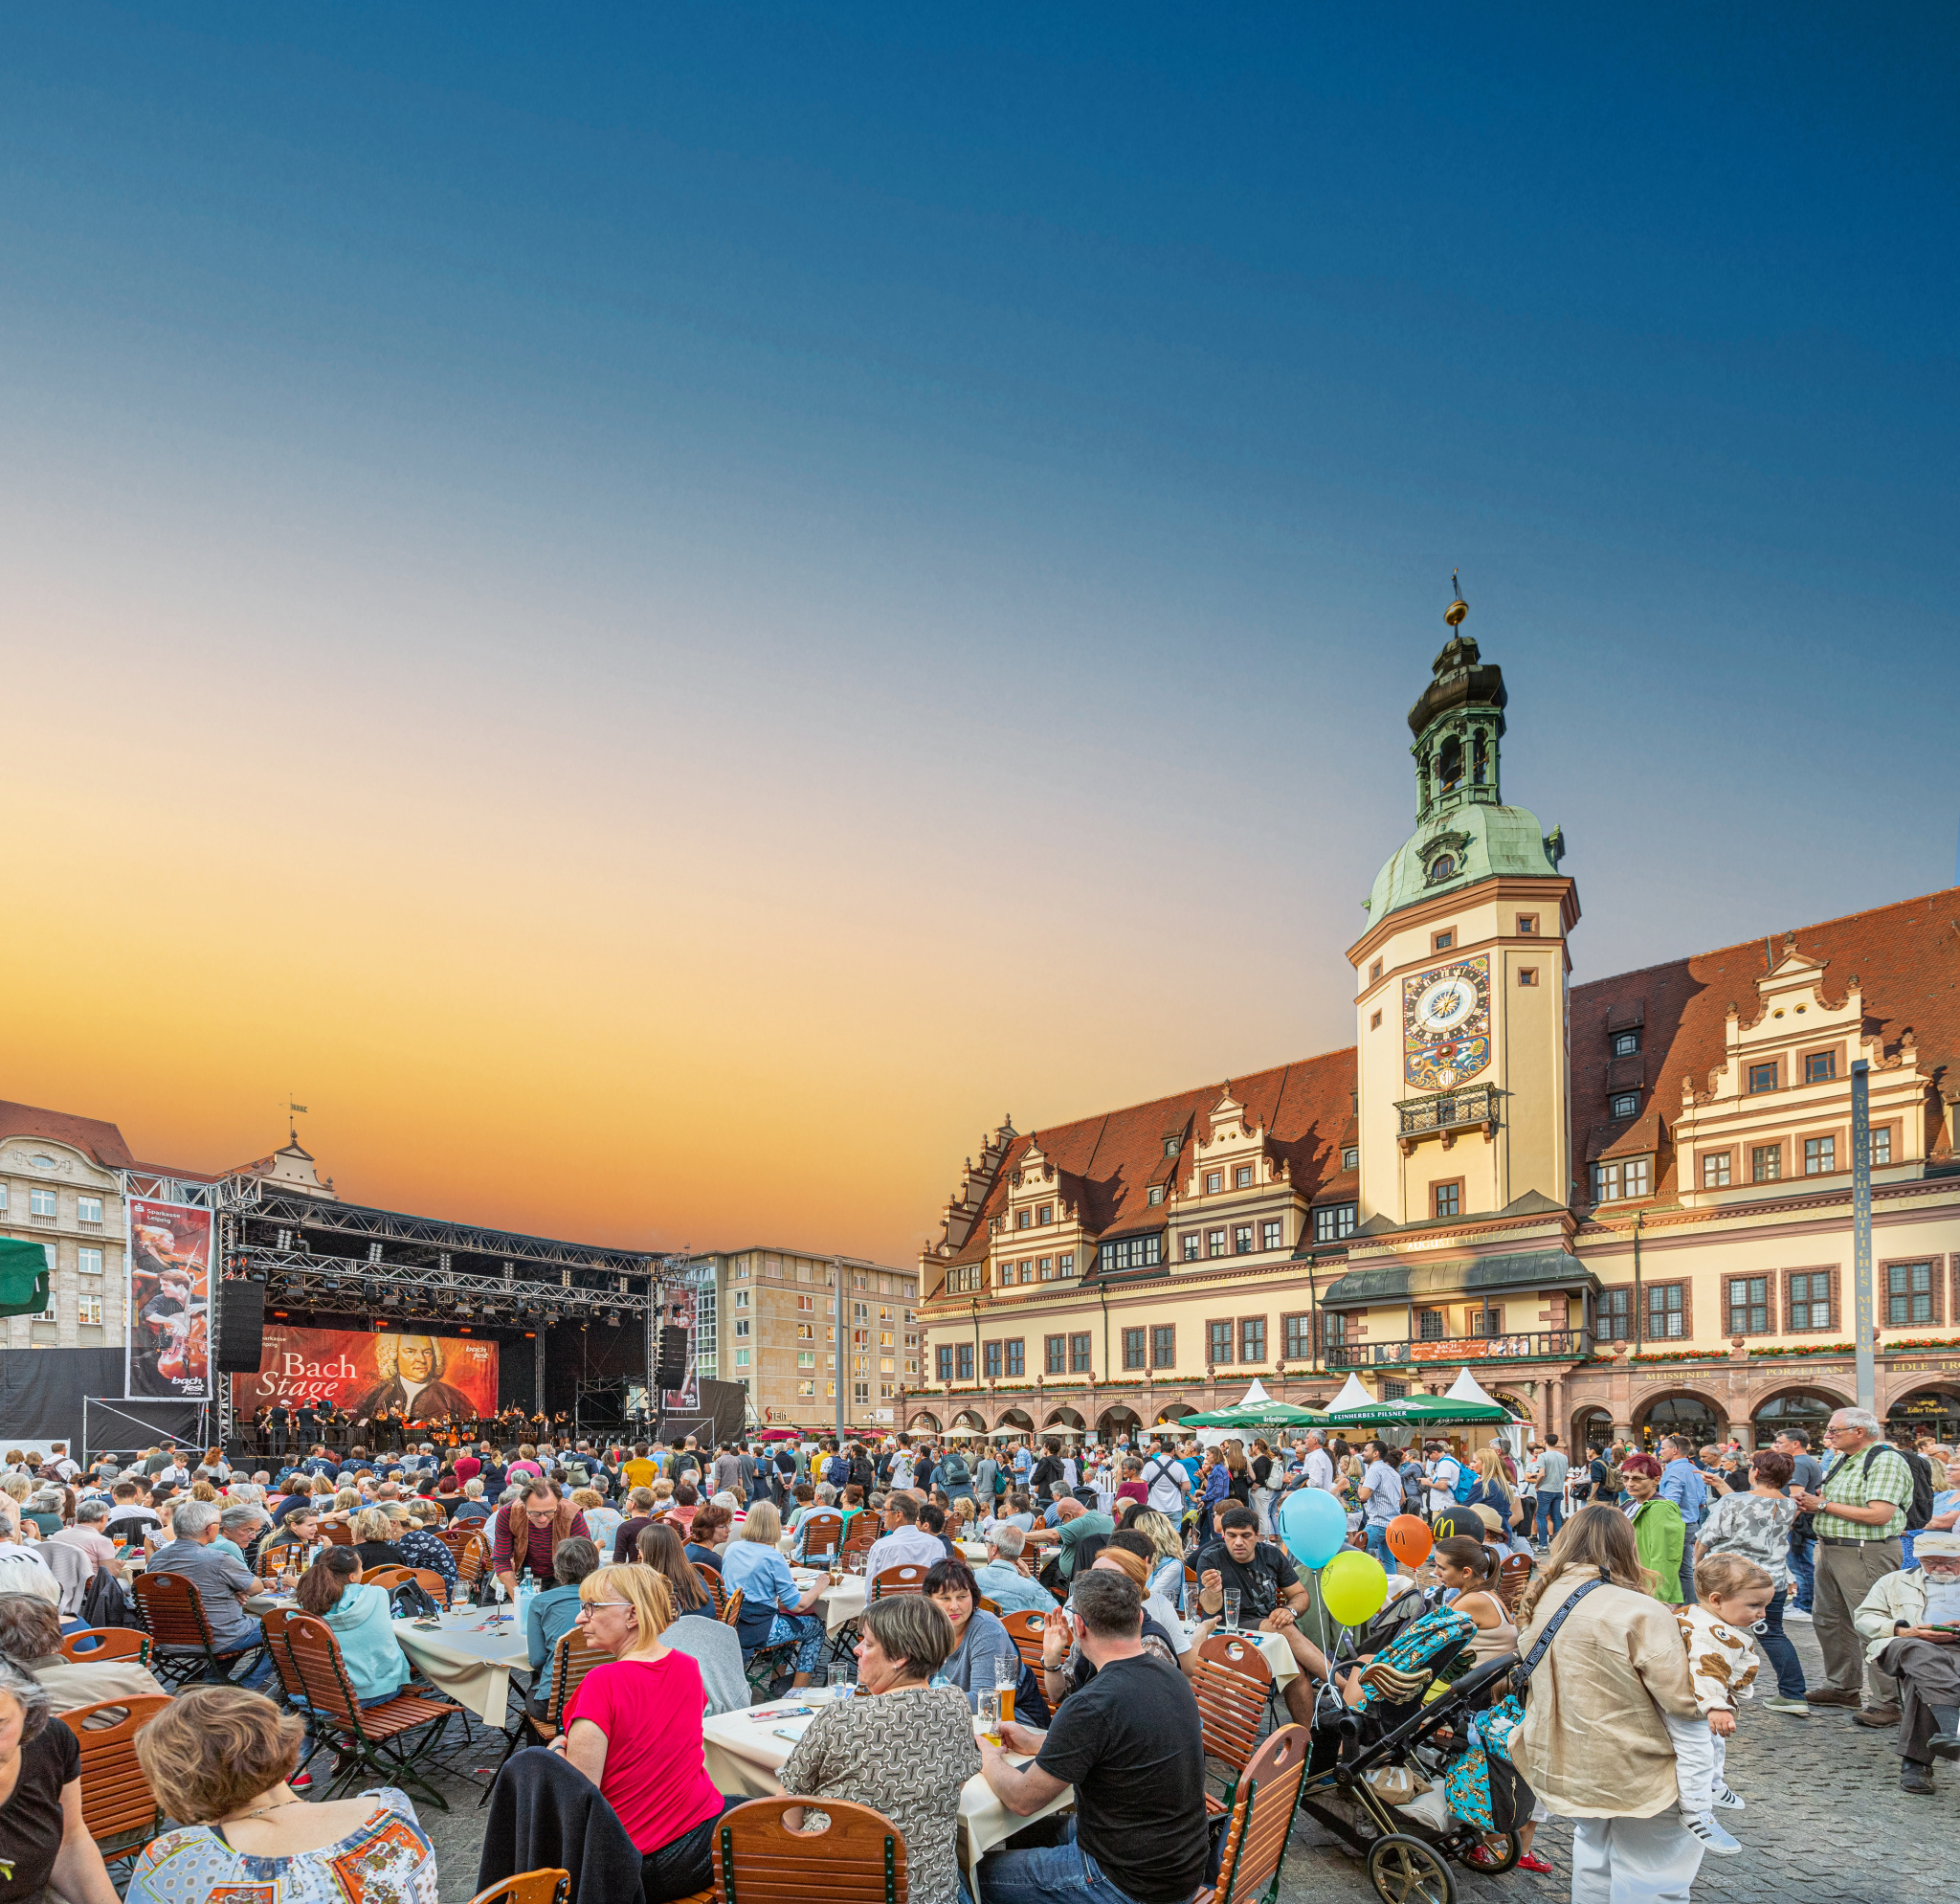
x=1007 y=1676
x=990 y=1717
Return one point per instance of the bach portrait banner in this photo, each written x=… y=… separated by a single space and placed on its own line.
x=425 y=1377
x=168 y=1350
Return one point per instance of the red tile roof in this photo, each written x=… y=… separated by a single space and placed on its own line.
x=91 y=1135
x=1106 y=1163
x=1906 y=958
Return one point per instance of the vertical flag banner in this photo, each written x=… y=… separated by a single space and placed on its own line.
x=677 y=1311
x=170 y=1252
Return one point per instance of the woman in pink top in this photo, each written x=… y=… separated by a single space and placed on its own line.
x=634 y=1729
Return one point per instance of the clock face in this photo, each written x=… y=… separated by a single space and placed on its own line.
x=1446 y=1025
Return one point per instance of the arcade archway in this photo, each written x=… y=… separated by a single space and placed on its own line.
x=1928 y=1411
x=1698 y=1419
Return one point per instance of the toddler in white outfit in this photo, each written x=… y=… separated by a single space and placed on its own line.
x=1733 y=1595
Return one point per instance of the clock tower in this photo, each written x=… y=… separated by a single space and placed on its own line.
x=1465 y=1101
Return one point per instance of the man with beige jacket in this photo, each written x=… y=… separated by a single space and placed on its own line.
x=1910 y=1625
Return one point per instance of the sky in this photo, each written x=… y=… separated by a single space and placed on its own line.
x=663 y=615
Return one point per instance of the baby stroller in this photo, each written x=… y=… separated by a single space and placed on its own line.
x=1407 y=1862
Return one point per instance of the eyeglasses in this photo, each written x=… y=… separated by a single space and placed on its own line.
x=594 y=1606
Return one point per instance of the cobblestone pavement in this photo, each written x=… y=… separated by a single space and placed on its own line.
x=1826 y=1823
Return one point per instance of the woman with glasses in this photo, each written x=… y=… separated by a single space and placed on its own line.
x=634 y=1729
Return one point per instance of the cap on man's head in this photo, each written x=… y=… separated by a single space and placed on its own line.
x=1940 y=1546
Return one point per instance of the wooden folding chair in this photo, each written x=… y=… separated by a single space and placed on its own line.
x=992 y=1606
x=473 y=1561
x=717 y=1594
x=1025 y=1630
x=388 y=1578
x=572 y=1659
x=336 y=1532
x=384 y=1739
x=860 y=1859
x=530 y=1887
x=432 y=1584
x=823 y=1534
x=731 y=1609
x=172 y=1610
x=93 y=1645
x=859 y=1538
x=117 y=1803
x=1513 y=1576
x=1237 y=1654
x=1262 y=1820
x=1232 y=1707
x=909 y=1578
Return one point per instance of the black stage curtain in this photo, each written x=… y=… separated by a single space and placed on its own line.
x=42 y=1390
x=723 y=1408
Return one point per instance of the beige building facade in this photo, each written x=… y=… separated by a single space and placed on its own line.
x=1625 y=1205
x=62 y=1187
x=776 y=1333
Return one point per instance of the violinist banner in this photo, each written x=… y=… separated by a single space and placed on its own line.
x=415 y=1378
x=168 y=1300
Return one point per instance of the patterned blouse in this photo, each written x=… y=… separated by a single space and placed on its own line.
x=389 y=1860
x=905 y=1754
x=1753 y=1526
x=422 y=1549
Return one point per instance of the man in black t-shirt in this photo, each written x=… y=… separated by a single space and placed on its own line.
x=1271 y=1593
x=1131 y=1743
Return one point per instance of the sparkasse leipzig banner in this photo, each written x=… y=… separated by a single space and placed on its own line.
x=168 y=1297
x=428 y=1377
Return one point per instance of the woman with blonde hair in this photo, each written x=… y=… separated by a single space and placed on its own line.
x=374 y=1539
x=634 y=1729
x=775 y=1611
x=218 y=1758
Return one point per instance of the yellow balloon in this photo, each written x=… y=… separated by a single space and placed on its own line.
x=1353 y=1587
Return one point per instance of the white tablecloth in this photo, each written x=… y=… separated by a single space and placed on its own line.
x=841 y=1604
x=743 y=1753
x=1273 y=1648
x=470 y=1658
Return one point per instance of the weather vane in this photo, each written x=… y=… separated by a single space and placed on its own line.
x=293 y=1110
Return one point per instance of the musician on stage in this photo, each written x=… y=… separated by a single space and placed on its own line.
x=276 y=1418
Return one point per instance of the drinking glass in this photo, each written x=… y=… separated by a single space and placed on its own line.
x=1231 y=1606
x=990 y=1717
x=1007 y=1676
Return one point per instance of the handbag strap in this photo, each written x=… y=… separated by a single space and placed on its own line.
x=1525 y=1668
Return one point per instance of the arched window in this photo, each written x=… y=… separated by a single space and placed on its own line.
x=1685 y=1415
x=1449 y=765
x=1443 y=867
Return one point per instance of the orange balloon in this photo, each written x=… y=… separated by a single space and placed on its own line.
x=1408 y=1540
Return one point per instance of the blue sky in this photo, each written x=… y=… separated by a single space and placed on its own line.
x=955 y=505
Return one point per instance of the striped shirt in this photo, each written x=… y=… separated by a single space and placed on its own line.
x=1874 y=1473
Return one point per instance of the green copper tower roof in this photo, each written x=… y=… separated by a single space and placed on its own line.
x=1464 y=834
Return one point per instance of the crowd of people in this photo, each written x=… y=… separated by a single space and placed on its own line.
x=1655 y=1576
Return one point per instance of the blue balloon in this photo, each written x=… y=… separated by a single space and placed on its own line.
x=1314 y=1526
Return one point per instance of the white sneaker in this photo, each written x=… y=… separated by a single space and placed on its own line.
x=1729 y=1800
x=1791 y=1613
x=1712 y=1836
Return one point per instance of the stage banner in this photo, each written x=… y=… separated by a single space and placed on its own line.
x=168 y=1296
x=678 y=1312
x=429 y=1377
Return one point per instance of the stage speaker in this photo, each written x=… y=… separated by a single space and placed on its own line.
x=672 y=1370
x=241 y=1327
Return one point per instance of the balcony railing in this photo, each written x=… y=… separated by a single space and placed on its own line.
x=1453 y=1110
x=1546 y=1345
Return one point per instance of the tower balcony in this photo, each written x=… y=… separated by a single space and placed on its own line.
x=1447 y=1113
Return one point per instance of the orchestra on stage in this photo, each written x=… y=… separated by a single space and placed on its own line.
x=278 y=1428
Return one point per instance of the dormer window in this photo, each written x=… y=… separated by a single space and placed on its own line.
x=1156 y=1193
x=1172 y=1147
x=1625 y=1043
x=1443 y=867
x=1626 y=1105
x=1045 y=1214
x=1023 y=1218
x=1242 y=1177
x=1351 y=1157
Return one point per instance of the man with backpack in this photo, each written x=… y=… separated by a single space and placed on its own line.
x=1870 y=1493
x=956 y=1475
x=1168 y=1483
